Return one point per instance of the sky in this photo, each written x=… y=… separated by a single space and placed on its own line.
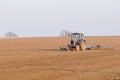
x=50 y=17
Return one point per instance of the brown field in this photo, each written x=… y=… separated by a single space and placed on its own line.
x=41 y=59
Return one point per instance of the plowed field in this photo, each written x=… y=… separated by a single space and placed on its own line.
x=40 y=59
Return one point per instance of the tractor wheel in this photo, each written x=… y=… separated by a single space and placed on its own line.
x=77 y=48
x=68 y=48
x=83 y=46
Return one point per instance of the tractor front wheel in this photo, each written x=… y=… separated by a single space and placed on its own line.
x=77 y=48
x=68 y=47
x=83 y=46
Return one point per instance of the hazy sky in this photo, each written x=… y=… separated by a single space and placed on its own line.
x=49 y=17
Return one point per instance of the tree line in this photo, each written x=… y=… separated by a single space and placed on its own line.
x=11 y=34
x=63 y=33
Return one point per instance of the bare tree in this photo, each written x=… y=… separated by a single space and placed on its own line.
x=11 y=35
x=65 y=33
x=69 y=34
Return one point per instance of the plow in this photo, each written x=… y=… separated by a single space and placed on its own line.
x=78 y=43
x=89 y=47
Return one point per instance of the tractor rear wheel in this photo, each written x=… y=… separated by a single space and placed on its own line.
x=77 y=47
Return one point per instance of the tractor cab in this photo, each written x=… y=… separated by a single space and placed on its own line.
x=77 y=39
x=77 y=36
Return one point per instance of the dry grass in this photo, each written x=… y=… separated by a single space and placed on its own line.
x=40 y=59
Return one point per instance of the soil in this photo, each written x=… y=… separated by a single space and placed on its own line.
x=39 y=58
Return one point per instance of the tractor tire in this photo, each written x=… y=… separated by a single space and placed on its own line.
x=77 y=47
x=68 y=48
x=83 y=46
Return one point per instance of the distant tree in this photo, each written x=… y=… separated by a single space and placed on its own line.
x=69 y=34
x=65 y=33
x=11 y=35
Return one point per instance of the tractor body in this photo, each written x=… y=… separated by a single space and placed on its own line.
x=77 y=42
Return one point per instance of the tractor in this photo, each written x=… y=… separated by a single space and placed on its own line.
x=77 y=42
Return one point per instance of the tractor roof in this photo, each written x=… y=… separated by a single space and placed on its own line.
x=77 y=34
